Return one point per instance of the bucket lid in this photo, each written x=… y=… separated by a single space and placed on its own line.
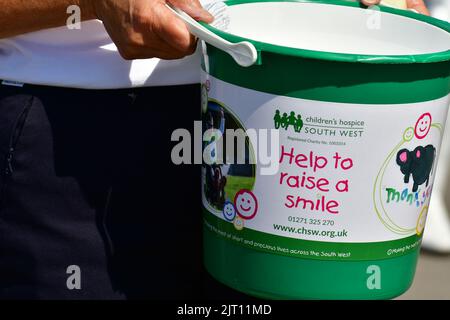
x=336 y=30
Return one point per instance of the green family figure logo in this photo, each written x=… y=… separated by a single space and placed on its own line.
x=415 y=160
x=286 y=121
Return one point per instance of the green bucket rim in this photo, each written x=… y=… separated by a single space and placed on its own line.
x=343 y=57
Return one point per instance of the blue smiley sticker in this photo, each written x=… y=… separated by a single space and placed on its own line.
x=229 y=212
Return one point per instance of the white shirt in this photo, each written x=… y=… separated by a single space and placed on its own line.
x=87 y=58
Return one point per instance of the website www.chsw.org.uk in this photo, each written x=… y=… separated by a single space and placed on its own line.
x=312 y=232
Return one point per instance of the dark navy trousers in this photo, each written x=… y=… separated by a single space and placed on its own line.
x=86 y=180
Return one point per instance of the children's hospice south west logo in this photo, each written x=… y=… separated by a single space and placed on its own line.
x=287 y=120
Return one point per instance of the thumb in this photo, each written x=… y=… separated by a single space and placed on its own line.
x=194 y=9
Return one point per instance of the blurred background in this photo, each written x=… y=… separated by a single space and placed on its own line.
x=432 y=279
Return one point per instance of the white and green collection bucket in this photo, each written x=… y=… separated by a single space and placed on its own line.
x=360 y=100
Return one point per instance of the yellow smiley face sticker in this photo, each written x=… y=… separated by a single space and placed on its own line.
x=238 y=223
x=408 y=134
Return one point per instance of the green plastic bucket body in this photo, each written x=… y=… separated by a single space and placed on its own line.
x=326 y=78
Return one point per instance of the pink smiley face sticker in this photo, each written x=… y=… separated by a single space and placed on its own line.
x=246 y=204
x=423 y=126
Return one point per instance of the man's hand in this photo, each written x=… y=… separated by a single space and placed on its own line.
x=139 y=28
x=147 y=28
x=417 y=5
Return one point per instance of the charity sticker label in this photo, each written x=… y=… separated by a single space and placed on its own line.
x=353 y=182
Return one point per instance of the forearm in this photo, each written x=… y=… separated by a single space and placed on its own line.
x=23 y=16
